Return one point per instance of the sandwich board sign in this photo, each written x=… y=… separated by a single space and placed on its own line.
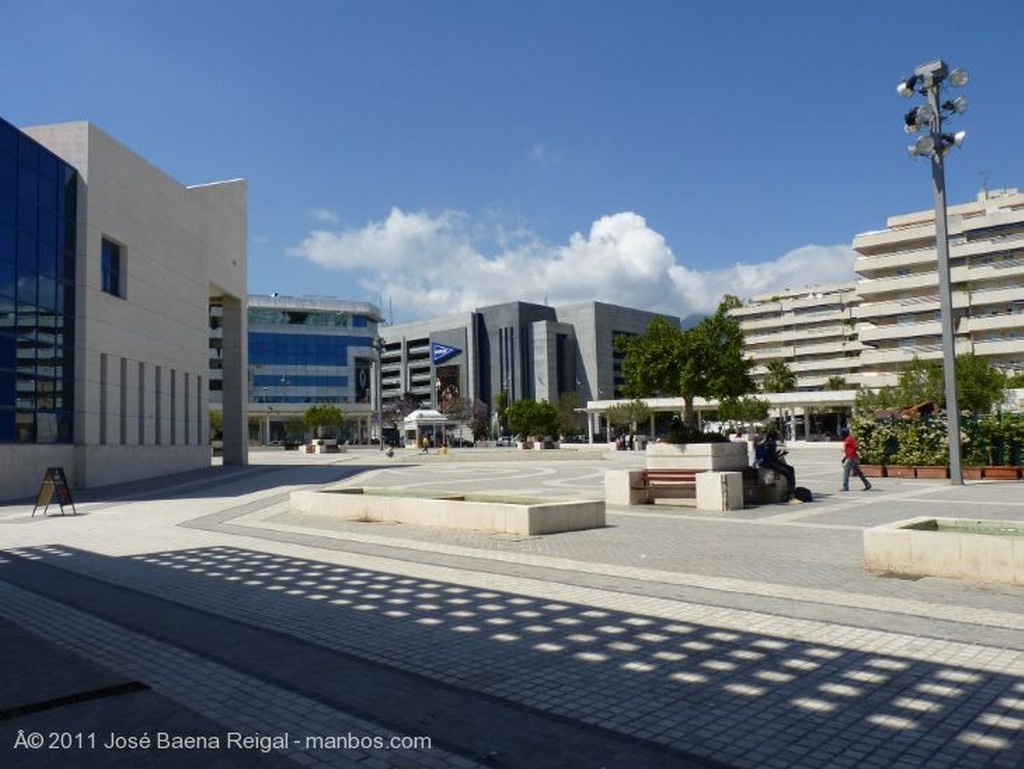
x=54 y=490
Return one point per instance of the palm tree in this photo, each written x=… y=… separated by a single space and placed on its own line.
x=779 y=379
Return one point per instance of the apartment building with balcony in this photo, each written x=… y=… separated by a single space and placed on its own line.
x=896 y=316
x=810 y=328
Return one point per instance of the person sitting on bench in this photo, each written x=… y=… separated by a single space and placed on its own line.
x=771 y=458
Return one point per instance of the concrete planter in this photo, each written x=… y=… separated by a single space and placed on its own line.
x=874 y=471
x=931 y=471
x=697 y=456
x=509 y=515
x=900 y=471
x=985 y=551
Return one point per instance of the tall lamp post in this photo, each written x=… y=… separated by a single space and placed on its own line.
x=378 y=345
x=928 y=80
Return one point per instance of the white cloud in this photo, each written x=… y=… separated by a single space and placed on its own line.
x=324 y=215
x=430 y=265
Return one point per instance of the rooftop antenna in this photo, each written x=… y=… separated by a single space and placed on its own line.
x=984 y=184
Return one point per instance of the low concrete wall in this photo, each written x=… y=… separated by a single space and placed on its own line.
x=453 y=510
x=918 y=547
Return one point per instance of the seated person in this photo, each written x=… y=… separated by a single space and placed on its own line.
x=771 y=458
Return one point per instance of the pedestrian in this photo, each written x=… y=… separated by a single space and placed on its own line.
x=772 y=459
x=851 y=461
x=425 y=443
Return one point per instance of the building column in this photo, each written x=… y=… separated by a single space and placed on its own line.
x=235 y=397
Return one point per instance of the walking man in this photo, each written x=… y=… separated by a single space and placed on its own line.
x=851 y=462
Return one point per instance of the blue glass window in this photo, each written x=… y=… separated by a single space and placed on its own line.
x=111 y=268
x=37 y=248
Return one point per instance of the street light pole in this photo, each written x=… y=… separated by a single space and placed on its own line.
x=378 y=345
x=928 y=80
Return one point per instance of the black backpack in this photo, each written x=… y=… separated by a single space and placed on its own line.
x=803 y=494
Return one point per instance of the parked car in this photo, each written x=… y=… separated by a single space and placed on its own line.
x=506 y=440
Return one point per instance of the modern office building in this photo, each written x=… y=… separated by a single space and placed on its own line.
x=107 y=271
x=526 y=350
x=897 y=314
x=303 y=351
x=811 y=329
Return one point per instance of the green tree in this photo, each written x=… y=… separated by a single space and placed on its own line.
x=216 y=425
x=920 y=381
x=779 y=378
x=501 y=409
x=629 y=414
x=714 y=365
x=747 y=409
x=323 y=416
x=532 y=418
x=570 y=421
x=979 y=384
x=704 y=361
x=836 y=383
x=652 y=362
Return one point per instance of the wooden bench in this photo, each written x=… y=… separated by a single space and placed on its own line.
x=669 y=478
x=672 y=483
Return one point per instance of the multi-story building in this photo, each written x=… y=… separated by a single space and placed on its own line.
x=868 y=330
x=897 y=317
x=526 y=350
x=107 y=269
x=303 y=351
x=811 y=329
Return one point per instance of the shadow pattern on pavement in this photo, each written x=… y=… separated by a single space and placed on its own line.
x=702 y=693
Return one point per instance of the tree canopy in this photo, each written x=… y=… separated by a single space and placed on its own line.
x=979 y=386
x=779 y=378
x=705 y=361
x=323 y=416
x=530 y=417
x=629 y=414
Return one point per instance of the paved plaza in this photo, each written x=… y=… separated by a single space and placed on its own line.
x=194 y=621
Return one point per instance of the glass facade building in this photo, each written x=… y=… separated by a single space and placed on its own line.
x=38 y=226
x=304 y=351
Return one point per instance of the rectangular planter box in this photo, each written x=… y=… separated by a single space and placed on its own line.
x=874 y=471
x=900 y=471
x=1001 y=473
x=453 y=510
x=984 y=551
x=728 y=455
x=931 y=472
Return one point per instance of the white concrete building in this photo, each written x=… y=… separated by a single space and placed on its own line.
x=897 y=315
x=810 y=328
x=148 y=256
x=866 y=331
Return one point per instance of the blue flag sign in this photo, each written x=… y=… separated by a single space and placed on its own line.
x=439 y=353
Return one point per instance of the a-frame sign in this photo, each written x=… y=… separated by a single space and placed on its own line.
x=54 y=489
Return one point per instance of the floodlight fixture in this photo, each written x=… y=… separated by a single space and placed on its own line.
x=958 y=77
x=957 y=105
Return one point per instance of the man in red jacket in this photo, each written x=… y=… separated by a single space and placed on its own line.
x=851 y=462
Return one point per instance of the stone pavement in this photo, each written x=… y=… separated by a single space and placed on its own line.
x=195 y=621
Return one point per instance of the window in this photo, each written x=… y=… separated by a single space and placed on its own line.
x=113 y=268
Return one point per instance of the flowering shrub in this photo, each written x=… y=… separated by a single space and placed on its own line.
x=921 y=440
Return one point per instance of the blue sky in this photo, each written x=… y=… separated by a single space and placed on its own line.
x=436 y=156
